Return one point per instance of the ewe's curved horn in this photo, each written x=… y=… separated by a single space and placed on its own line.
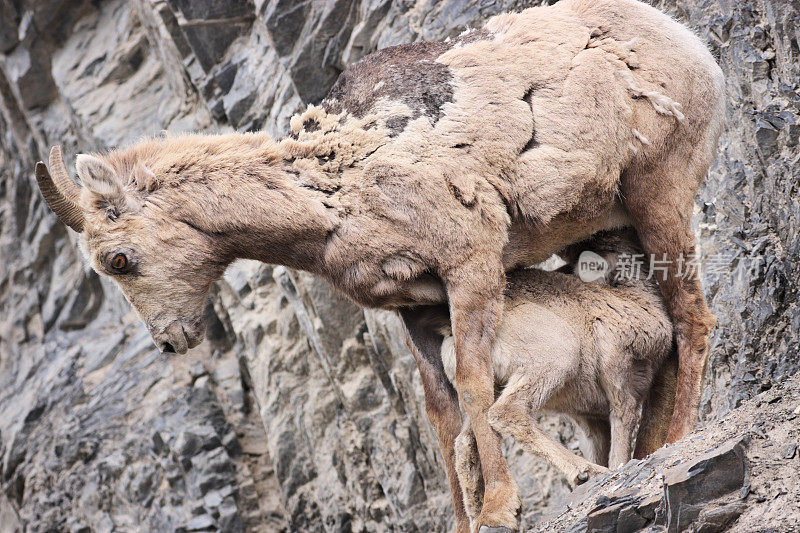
x=60 y=192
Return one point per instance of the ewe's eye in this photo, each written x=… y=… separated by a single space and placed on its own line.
x=123 y=260
x=119 y=262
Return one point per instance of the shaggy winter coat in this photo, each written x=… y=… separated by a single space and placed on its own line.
x=429 y=171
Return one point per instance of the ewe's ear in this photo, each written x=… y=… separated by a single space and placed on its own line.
x=98 y=177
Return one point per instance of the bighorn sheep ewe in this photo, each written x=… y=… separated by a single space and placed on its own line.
x=587 y=350
x=429 y=171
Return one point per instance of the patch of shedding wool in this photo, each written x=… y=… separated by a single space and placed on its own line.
x=642 y=138
x=661 y=103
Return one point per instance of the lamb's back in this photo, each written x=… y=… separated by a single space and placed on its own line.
x=632 y=310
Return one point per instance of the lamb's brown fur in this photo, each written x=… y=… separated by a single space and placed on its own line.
x=484 y=153
x=587 y=350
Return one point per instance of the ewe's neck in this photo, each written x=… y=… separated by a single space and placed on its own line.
x=254 y=206
x=286 y=225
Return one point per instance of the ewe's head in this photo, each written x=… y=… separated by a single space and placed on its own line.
x=131 y=232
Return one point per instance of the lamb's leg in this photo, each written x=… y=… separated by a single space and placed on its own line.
x=624 y=418
x=598 y=437
x=441 y=401
x=511 y=415
x=660 y=202
x=476 y=305
x=468 y=468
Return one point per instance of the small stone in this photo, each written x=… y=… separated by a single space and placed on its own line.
x=200 y=523
x=160 y=443
x=766 y=136
x=201 y=382
x=213 y=499
x=630 y=521
x=744 y=491
x=229 y=519
x=789 y=451
x=187 y=444
x=606 y=518
x=197 y=369
x=231 y=444
x=715 y=520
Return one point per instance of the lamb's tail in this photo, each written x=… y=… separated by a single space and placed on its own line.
x=657 y=409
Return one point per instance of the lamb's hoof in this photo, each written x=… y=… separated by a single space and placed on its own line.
x=496 y=529
x=589 y=472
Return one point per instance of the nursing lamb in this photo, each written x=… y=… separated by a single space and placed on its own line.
x=586 y=350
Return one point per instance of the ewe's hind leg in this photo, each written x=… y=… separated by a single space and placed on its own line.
x=660 y=201
x=511 y=415
x=468 y=468
x=657 y=409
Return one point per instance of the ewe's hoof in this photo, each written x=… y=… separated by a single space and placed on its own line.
x=496 y=529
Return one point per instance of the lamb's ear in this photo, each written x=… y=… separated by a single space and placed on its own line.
x=98 y=177
x=144 y=178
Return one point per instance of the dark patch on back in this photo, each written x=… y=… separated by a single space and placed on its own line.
x=396 y=125
x=532 y=142
x=310 y=125
x=409 y=74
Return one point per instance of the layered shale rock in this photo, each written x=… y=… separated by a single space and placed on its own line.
x=735 y=475
x=302 y=411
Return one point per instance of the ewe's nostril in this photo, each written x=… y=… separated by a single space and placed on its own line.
x=167 y=348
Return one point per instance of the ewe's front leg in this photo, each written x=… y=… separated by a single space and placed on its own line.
x=468 y=468
x=476 y=306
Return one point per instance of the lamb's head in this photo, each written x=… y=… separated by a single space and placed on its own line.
x=132 y=232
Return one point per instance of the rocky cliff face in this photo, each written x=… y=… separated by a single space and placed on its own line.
x=304 y=412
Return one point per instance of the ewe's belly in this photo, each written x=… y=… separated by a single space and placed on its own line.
x=529 y=246
x=389 y=293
